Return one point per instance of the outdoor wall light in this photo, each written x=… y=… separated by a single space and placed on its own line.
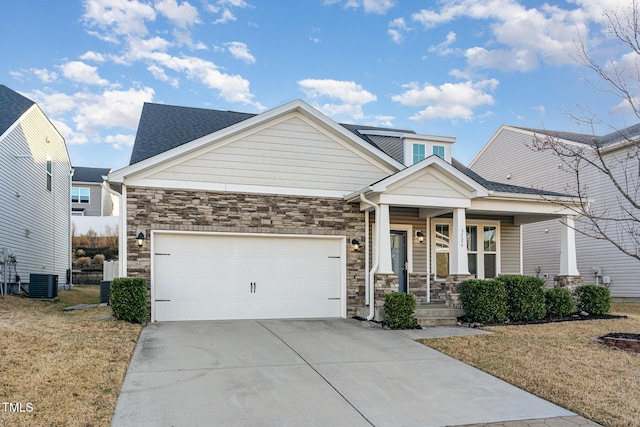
x=355 y=245
x=140 y=238
x=420 y=236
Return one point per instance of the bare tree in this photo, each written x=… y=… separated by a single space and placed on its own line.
x=611 y=161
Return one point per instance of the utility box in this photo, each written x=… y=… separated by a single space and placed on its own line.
x=43 y=286
x=105 y=291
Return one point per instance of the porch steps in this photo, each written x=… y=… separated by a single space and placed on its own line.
x=437 y=314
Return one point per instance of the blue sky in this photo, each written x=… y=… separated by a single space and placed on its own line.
x=456 y=68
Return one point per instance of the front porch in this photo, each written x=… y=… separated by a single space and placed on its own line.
x=430 y=227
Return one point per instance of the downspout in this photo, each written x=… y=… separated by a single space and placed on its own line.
x=376 y=257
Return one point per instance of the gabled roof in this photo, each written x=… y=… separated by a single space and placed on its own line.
x=85 y=174
x=627 y=134
x=164 y=127
x=12 y=107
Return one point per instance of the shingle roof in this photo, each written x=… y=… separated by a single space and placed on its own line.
x=12 y=106
x=85 y=174
x=626 y=134
x=503 y=188
x=164 y=127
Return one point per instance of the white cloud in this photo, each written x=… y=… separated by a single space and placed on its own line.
x=184 y=15
x=444 y=48
x=351 y=96
x=79 y=72
x=118 y=17
x=240 y=51
x=448 y=101
x=523 y=37
x=44 y=75
x=226 y=16
x=120 y=140
x=93 y=56
x=370 y=6
x=395 y=30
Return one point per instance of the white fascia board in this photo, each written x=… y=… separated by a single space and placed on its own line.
x=433 y=138
x=422 y=201
x=519 y=207
x=233 y=188
x=297 y=105
x=436 y=161
x=495 y=135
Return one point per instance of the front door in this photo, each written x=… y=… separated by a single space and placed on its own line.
x=399 y=258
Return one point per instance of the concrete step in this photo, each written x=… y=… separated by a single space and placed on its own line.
x=429 y=310
x=437 y=314
x=437 y=321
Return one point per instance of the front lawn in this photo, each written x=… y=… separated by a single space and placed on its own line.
x=61 y=368
x=560 y=363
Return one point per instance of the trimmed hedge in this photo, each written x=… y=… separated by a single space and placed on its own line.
x=129 y=299
x=484 y=301
x=593 y=299
x=560 y=302
x=525 y=297
x=399 y=309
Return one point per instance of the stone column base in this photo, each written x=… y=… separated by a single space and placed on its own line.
x=569 y=282
x=451 y=289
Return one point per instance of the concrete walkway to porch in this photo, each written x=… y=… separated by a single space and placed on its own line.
x=324 y=372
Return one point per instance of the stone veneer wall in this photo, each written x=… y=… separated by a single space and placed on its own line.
x=159 y=209
x=417 y=283
x=384 y=284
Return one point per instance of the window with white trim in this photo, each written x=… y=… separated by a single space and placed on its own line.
x=80 y=195
x=438 y=150
x=418 y=153
x=482 y=248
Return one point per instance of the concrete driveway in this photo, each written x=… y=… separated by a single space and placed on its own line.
x=307 y=373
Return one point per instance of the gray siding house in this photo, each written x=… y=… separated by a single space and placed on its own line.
x=508 y=158
x=290 y=214
x=90 y=193
x=35 y=189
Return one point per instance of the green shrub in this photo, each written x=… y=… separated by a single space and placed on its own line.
x=484 y=301
x=399 y=309
x=129 y=299
x=560 y=302
x=593 y=299
x=525 y=298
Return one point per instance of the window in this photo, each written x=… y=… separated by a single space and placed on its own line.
x=49 y=172
x=418 y=152
x=490 y=251
x=442 y=250
x=80 y=195
x=438 y=150
x=482 y=248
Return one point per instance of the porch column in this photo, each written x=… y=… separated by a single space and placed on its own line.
x=384 y=240
x=459 y=262
x=568 y=260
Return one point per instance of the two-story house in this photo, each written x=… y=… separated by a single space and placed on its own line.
x=35 y=189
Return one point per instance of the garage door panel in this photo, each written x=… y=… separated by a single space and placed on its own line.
x=199 y=277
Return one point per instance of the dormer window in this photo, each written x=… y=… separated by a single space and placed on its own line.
x=438 y=150
x=418 y=152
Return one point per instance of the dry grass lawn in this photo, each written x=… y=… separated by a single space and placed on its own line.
x=560 y=363
x=66 y=366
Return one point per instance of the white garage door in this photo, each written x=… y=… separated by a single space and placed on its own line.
x=211 y=277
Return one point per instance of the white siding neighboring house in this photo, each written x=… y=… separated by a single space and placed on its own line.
x=35 y=183
x=290 y=214
x=508 y=158
x=94 y=204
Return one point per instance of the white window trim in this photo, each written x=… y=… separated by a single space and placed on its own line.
x=469 y=222
x=80 y=195
x=424 y=154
